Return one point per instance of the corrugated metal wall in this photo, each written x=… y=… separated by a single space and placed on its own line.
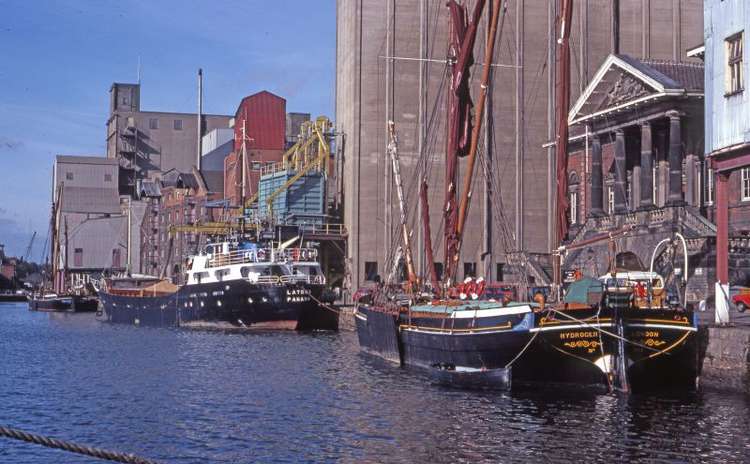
x=304 y=197
x=265 y=114
x=727 y=117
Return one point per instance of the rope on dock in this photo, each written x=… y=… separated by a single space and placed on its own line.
x=72 y=447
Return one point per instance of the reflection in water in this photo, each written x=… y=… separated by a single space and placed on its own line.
x=192 y=397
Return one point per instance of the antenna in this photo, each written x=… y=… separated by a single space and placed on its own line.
x=138 y=71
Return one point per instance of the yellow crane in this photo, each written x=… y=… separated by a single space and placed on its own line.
x=311 y=152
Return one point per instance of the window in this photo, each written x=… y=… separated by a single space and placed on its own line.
x=256 y=165
x=68 y=176
x=610 y=200
x=107 y=177
x=153 y=123
x=470 y=270
x=115 y=258
x=499 y=272
x=124 y=100
x=178 y=124
x=78 y=257
x=745 y=186
x=371 y=271
x=654 y=183
x=574 y=207
x=733 y=71
x=710 y=187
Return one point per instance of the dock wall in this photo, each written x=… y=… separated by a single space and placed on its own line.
x=726 y=364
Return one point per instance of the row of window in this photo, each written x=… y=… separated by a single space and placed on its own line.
x=744 y=193
x=153 y=124
x=470 y=270
x=69 y=176
x=116 y=257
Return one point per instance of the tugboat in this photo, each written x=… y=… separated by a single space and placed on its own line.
x=231 y=283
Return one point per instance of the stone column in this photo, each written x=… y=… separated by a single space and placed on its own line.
x=597 y=178
x=647 y=167
x=675 y=159
x=620 y=173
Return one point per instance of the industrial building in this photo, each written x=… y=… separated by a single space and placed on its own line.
x=146 y=143
x=90 y=222
x=260 y=133
x=391 y=65
x=727 y=135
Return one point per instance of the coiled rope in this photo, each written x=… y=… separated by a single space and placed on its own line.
x=72 y=447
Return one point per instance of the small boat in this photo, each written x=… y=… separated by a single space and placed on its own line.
x=52 y=302
x=13 y=297
x=469 y=378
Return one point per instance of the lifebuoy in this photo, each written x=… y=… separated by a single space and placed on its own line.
x=295 y=254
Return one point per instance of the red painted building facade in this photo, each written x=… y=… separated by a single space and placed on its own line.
x=259 y=131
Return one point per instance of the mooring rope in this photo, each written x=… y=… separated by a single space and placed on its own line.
x=72 y=447
x=324 y=305
x=611 y=334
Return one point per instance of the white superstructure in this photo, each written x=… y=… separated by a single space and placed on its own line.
x=226 y=261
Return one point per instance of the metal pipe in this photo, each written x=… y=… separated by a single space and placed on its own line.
x=200 y=117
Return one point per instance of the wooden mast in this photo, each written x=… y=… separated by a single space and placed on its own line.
x=408 y=257
x=468 y=178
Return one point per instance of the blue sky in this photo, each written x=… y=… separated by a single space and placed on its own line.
x=59 y=58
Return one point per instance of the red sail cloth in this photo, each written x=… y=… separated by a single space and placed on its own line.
x=462 y=37
x=561 y=116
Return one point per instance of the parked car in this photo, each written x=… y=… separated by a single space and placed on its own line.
x=741 y=301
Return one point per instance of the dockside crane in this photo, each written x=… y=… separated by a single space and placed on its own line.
x=27 y=254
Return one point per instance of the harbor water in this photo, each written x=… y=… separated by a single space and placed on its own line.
x=194 y=396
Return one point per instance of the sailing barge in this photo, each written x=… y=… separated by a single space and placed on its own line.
x=619 y=332
x=231 y=283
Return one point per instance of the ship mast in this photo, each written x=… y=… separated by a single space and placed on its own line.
x=460 y=58
x=452 y=261
x=393 y=152
x=562 y=105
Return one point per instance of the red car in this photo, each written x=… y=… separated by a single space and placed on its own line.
x=741 y=301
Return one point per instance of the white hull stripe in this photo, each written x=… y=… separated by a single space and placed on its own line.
x=493 y=312
x=360 y=316
x=456 y=333
x=665 y=326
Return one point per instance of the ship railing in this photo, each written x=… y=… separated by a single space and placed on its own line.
x=240 y=257
x=324 y=229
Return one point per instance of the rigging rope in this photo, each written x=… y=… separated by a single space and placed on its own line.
x=55 y=443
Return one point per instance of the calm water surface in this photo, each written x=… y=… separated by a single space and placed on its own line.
x=191 y=397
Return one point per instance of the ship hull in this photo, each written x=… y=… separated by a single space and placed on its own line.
x=439 y=342
x=665 y=349
x=238 y=303
x=73 y=304
x=659 y=347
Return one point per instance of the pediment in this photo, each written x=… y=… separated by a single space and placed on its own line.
x=619 y=83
